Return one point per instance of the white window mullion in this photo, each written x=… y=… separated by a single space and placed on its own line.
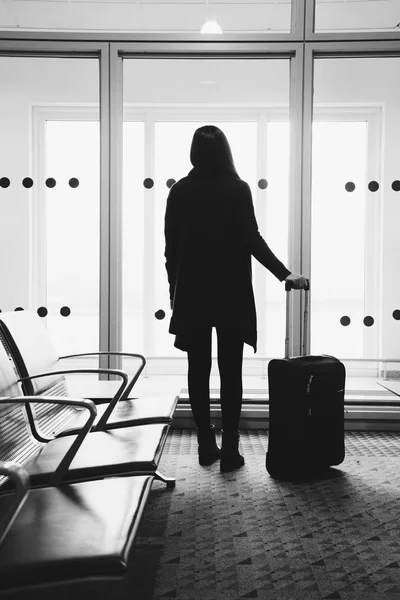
x=105 y=150
x=115 y=209
x=373 y=228
x=38 y=258
x=260 y=283
x=300 y=181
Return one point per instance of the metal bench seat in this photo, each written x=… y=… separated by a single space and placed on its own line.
x=103 y=454
x=73 y=532
x=87 y=454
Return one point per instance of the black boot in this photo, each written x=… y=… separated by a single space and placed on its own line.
x=209 y=452
x=231 y=458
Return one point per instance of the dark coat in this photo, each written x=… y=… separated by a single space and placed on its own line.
x=211 y=233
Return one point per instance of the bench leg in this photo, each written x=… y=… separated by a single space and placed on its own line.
x=170 y=481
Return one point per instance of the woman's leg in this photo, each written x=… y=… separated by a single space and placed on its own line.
x=230 y=362
x=199 y=359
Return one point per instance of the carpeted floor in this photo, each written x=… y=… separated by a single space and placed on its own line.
x=245 y=535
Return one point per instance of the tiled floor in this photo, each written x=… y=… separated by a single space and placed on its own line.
x=246 y=535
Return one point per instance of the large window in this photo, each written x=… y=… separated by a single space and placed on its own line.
x=157 y=135
x=312 y=116
x=255 y=140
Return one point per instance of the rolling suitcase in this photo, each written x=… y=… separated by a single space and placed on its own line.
x=306 y=411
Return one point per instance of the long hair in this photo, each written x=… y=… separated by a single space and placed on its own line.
x=210 y=151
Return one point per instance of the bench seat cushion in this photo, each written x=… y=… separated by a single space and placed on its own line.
x=113 y=452
x=74 y=531
x=141 y=411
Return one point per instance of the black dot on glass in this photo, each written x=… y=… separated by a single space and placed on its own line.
x=396 y=315
x=345 y=321
x=4 y=182
x=160 y=315
x=27 y=182
x=368 y=321
x=65 y=311
x=50 y=182
x=170 y=182
x=350 y=186
x=42 y=311
x=18 y=308
x=262 y=184
x=148 y=183
x=73 y=182
x=373 y=186
x=396 y=186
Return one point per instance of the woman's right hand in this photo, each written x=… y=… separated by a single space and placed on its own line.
x=298 y=282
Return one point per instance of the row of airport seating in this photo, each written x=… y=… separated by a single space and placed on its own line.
x=75 y=473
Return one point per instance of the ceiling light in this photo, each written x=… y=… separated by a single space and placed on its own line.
x=211 y=26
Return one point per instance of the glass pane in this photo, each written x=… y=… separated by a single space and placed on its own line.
x=133 y=236
x=72 y=233
x=338 y=236
x=254 y=117
x=355 y=208
x=272 y=335
x=49 y=149
x=357 y=15
x=150 y=16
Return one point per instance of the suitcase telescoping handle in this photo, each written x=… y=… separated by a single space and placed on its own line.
x=288 y=288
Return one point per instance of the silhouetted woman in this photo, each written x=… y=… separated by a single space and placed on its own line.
x=211 y=233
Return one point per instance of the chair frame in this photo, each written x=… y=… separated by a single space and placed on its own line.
x=32 y=418
x=21 y=481
x=57 y=476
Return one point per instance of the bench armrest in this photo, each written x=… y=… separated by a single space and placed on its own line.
x=58 y=475
x=134 y=379
x=20 y=479
x=118 y=395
